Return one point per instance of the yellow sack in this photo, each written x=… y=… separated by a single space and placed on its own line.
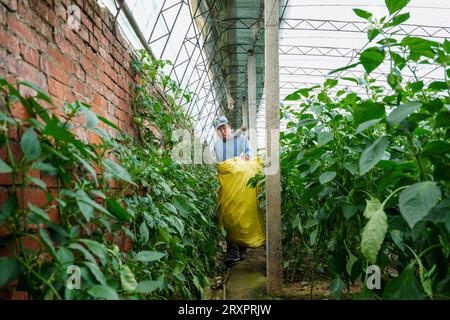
x=238 y=211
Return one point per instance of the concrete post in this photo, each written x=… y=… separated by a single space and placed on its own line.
x=245 y=114
x=251 y=75
x=273 y=184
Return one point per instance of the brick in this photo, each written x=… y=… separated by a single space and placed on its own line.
x=42 y=26
x=30 y=73
x=87 y=22
x=29 y=54
x=20 y=29
x=67 y=48
x=80 y=73
x=2 y=15
x=93 y=42
x=99 y=102
x=94 y=83
x=10 y=4
x=50 y=181
x=59 y=90
x=84 y=34
x=107 y=81
x=90 y=68
x=93 y=138
x=56 y=71
x=9 y=41
x=80 y=87
x=63 y=60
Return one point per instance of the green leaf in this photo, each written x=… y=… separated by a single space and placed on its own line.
x=88 y=256
x=182 y=206
x=30 y=145
x=336 y=287
x=351 y=167
x=170 y=207
x=117 y=210
x=91 y=118
x=371 y=58
x=307 y=122
x=372 y=33
x=402 y=111
x=438 y=86
x=41 y=184
x=116 y=170
x=96 y=248
x=144 y=233
x=442 y=120
x=372 y=206
x=330 y=83
x=440 y=213
x=324 y=137
x=365 y=125
x=367 y=110
x=404 y=287
x=41 y=213
x=127 y=279
x=350 y=263
x=420 y=46
x=109 y=123
x=398 y=20
x=96 y=272
x=47 y=241
x=374 y=232
x=343 y=68
x=46 y=167
x=373 y=154
x=41 y=94
x=86 y=210
x=88 y=167
x=327 y=176
x=103 y=292
x=148 y=286
x=435 y=149
x=349 y=211
x=148 y=256
x=362 y=13
x=4 y=167
x=395 y=5
x=416 y=201
x=64 y=256
x=396 y=236
x=9 y=207
x=9 y=270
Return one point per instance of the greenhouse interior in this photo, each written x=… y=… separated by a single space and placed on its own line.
x=224 y=150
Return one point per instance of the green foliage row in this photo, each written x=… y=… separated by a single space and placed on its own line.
x=366 y=177
x=166 y=209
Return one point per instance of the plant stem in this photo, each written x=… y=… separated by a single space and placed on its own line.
x=40 y=278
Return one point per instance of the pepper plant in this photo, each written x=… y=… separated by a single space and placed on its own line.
x=366 y=173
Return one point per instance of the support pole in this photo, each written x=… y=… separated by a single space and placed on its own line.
x=251 y=76
x=245 y=113
x=273 y=184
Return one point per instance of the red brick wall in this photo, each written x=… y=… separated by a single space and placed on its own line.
x=91 y=64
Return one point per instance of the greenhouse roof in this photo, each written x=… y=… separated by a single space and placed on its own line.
x=208 y=42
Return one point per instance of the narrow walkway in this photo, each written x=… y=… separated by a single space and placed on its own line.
x=246 y=279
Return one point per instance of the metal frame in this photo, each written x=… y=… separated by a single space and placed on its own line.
x=199 y=62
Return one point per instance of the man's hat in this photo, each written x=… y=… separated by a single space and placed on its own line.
x=220 y=121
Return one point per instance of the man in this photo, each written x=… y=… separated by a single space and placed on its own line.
x=226 y=147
